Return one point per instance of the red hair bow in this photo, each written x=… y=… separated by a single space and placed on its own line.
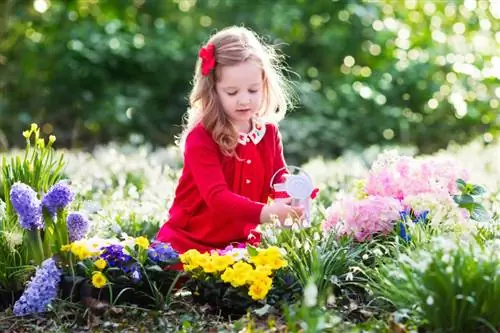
x=207 y=55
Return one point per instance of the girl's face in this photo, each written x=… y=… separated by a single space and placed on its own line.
x=240 y=91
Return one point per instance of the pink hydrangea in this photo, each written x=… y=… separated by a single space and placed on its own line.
x=363 y=218
x=399 y=176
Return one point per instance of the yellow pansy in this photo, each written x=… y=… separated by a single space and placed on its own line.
x=100 y=264
x=99 y=280
x=142 y=242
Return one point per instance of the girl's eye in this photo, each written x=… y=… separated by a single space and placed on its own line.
x=253 y=91
x=232 y=93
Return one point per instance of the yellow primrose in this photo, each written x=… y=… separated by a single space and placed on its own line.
x=99 y=280
x=228 y=275
x=258 y=291
x=239 y=280
x=260 y=273
x=222 y=262
x=242 y=268
x=272 y=251
x=262 y=260
x=208 y=265
x=142 y=242
x=277 y=263
x=100 y=264
x=188 y=256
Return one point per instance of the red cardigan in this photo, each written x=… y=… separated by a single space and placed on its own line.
x=219 y=199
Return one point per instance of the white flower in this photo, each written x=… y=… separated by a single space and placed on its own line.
x=2 y=210
x=430 y=300
x=310 y=294
x=13 y=238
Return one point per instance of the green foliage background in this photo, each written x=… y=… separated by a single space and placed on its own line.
x=367 y=72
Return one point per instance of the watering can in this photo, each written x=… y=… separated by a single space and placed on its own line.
x=296 y=184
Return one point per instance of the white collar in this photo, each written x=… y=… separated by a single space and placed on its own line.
x=255 y=135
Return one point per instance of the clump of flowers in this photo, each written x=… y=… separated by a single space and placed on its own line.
x=41 y=290
x=397 y=176
x=363 y=218
x=230 y=271
x=431 y=190
x=122 y=262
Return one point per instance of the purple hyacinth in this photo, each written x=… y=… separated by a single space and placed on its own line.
x=114 y=256
x=162 y=253
x=78 y=226
x=58 y=197
x=28 y=207
x=41 y=290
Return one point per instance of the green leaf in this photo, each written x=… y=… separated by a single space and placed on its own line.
x=477 y=190
x=463 y=200
x=461 y=184
x=154 y=268
x=480 y=214
x=252 y=250
x=266 y=309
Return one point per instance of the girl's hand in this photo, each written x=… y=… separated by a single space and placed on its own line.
x=282 y=210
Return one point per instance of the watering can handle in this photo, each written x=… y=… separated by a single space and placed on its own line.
x=285 y=168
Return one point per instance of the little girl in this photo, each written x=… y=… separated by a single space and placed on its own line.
x=231 y=147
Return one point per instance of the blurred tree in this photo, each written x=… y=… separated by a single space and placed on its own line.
x=409 y=72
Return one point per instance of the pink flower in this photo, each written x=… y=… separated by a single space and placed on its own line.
x=363 y=218
x=400 y=176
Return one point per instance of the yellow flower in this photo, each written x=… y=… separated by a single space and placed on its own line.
x=277 y=263
x=208 y=265
x=66 y=248
x=239 y=280
x=242 y=268
x=26 y=134
x=188 y=256
x=142 y=242
x=228 y=275
x=258 y=291
x=272 y=251
x=260 y=273
x=52 y=139
x=100 y=264
x=359 y=189
x=222 y=262
x=34 y=127
x=40 y=143
x=99 y=280
x=261 y=260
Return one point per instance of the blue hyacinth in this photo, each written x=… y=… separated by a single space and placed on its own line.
x=28 y=207
x=78 y=226
x=41 y=290
x=58 y=197
x=162 y=253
